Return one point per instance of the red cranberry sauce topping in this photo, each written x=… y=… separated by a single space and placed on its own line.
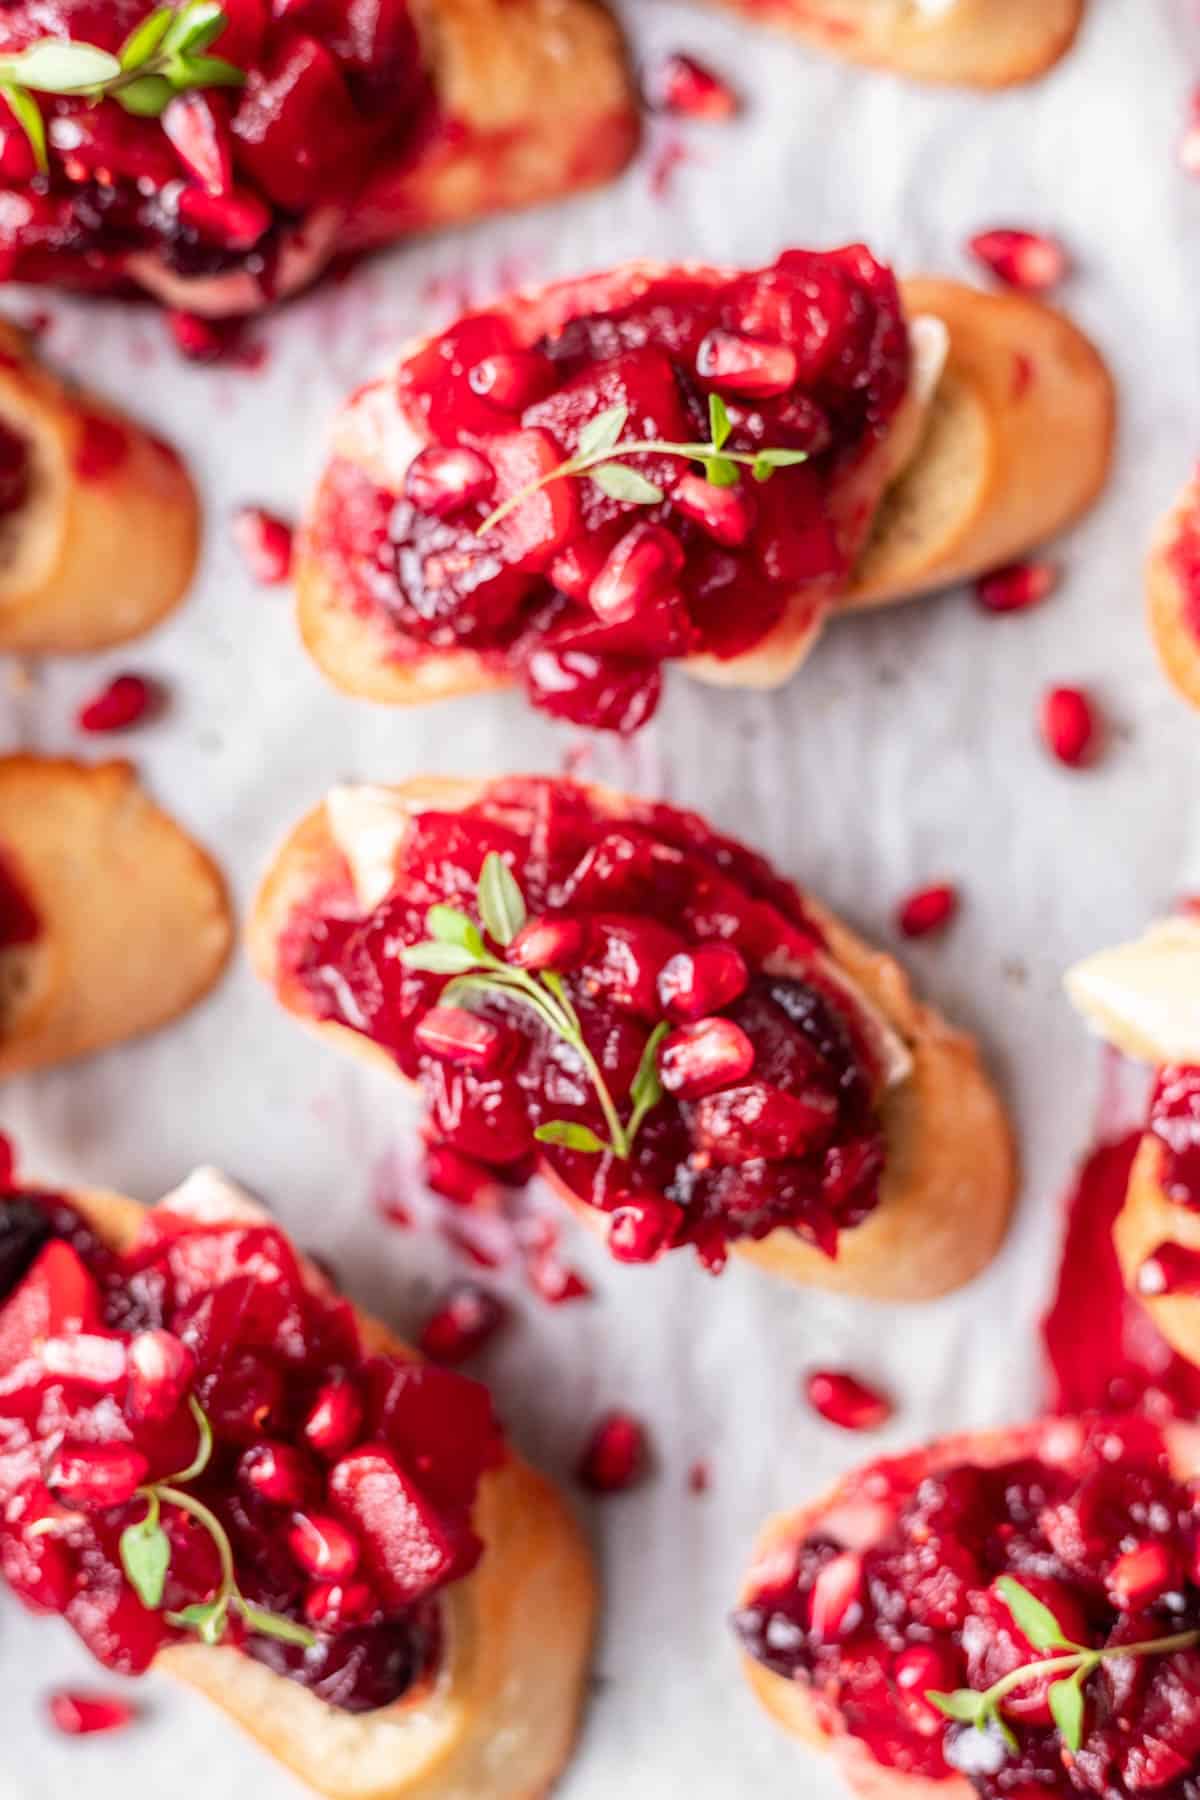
x=769 y=1114
x=1184 y=558
x=1175 y=1122
x=103 y=1360
x=19 y=922
x=1106 y=1539
x=580 y=590
x=209 y=184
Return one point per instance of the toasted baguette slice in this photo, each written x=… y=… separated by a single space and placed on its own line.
x=1016 y=445
x=135 y=923
x=105 y=544
x=1148 y=1219
x=847 y=1512
x=978 y=43
x=949 y=1182
x=1173 y=591
x=501 y=1715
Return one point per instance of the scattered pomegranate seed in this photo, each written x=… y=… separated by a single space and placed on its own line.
x=699 y=1478
x=458 y=1036
x=334 y=1420
x=846 y=1401
x=929 y=909
x=745 y=366
x=161 y=1370
x=1138 y=1577
x=276 y=1473
x=1189 y=143
x=1070 y=726
x=638 y=568
x=548 y=944
x=1016 y=587
x=703 y=980
x=323 y=1546
x=332 y=1605
x=725 y=513
x=835 y=1596
x=615 y=1455
x=681 y=85
x=1021 y=259
x=84 y=1715
x=126 y=701
x=96 y=1475
x=265 y=542
x=202 y=340
x=444 y=479
x=466 y=1318
x=698 y=1059
x=642 y=1228
x=8 y=1161
x=512 y=379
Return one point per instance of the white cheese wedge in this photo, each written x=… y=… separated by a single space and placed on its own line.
x=1144 y=997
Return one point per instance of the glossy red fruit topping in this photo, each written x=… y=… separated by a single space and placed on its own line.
x=1070 y=726
x=410 y=1550
x=198 y=128
x=643 y=1227
x=834 y=1604
x=1170 y=1269
x=8 y=1154
x=702 y=980
x=462 y=1037
x=334 y=1605
x=96 y=1475
x=334 y=1420
x=698 y=1059
x=323 y=1547
x=725 y=514
x=548 y=943
x=643 y=562
x=265 y=543
x=201 y=340
x=276 y=1473
x=126 y=701
x=236 y=220
x=1016 y=587
x=1021 y=259
x=744 y=366
x=846 y=1401
x=615 y=1456
x=682 y=85
x=445 y=480
x=928 y=910
x=86 y=1715
x=465 y=1319
x=161 y=1372
x=1141 y=1576
x=512 y=380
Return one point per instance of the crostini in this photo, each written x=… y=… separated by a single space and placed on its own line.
x=1173 y=592
x=816 y=438
x=1007 y=1615
x=209 y=1463
x=690 y=1050
x=1144 y=998
x=100 y=521
x=112 y=920
x=222 y=159
x=976 y=43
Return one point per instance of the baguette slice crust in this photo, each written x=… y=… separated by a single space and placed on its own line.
x=1173 y=591
x=104 y=496
x=813 y=1720
x=501 y=1716
x=949 y=1183
x=1017 y=445
x=135 y=923
x=976 y=43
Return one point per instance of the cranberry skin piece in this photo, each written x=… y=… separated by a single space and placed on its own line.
x=604 y=692
x=744 y=1124
x=548 y=943
x=846 y=1401
x=334 y=1420
x=459 y=1036
x=512 y=379
x=624 y=959
x=1141 y=1576
x=36 y=1566
x=689 y=89
x=615 y=1455
x=199 y=130
x=323 y=1547
x=265 y=542
x=701 y=1058
x=701 y=981
x=126 y=701
x=161 y=1371
x=483 y=1116
x=725 y=513
x=96 y=1475
x=740 y=365
x=408 y=1546
x=1021 y=259
x=642 y=1229
x=641 y=564
x=928 y=910
x=276 y=1473
x=86 y=1715
x=1070 y=726
x=834 y=1603
x=296 y=127
x=445 y=480
x=466 y=1318
x=244 y=1397
x=544 y=521
x=1016 y=587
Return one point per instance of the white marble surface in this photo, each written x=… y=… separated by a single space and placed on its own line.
x=904 y=751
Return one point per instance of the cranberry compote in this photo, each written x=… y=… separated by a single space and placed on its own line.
x=770 y=1065
x=899 y=1597
x=582 y=590
x=104 y=1359
x=213 y=184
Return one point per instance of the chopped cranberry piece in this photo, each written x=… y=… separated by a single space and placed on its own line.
x=323 y=1547
x=334 y=1420
x=740 y=365
x=643 y=562
x=615 y=1455
x=1021 y=259
x=445 y=480
x=236 y=220
x=548 y=943
x=512 y=380
x=1070 y=726
x=756 y=1121
x=642 y=1228
x=701 y=1058
x=199 y=129
x=84 y=1715
x=1170 y=1269
x=462 y=1037
x=1140 y=1576
x=725 y=513
x=460 y=1178
x=702 y=980
x=202 y=340
x=265 y=542
x=682 y=85
x=833 y=1609
x=928 y=910
x=124 y=702
x=846 y=1401
x=408 y=1546
x=96 y=1475
x=276 y=1473
x=161 y=1371
x=1016 y=587
x=466 y=1319
x=609 y=693
x=57 y=1295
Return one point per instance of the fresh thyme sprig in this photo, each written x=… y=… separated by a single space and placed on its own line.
x=163 y=56
x=601 y=444
x=146 y=1557
x=456 y=947
x=1073 y=1667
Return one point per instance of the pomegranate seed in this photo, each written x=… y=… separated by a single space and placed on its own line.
x=276 y=1473
x=698 y=1059
x=265 y=542
x=161 y=1370
x=929 y=909
x=334 y=1420
x=615 y=1454
x=125 y=701
x=1138 y=1577
x=577 y=565
x=1016 y=587
x=846 y=1401
x=443 y=480
x=459 y=1036
x=702 y=981
x=201 y=139
x=1021 y=259
x=699 y=1478
x=8 y=1162
x=201 y=340
x=1069 y=725
x=461 y=1179
x=323 y=1546
x=683 y=86
x=512 y=379
x=725 y=513
x=548 y=944
x=332 y=1605
x=465 y=1319
x=641 y=1229
x=640 y=565
x=85 y=1715
x=96 y=1475
x=86 y=1357
x=553 y=1281
x=835 y=1595
x=745 y=366
x=743 y=1124
x=236 y=220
